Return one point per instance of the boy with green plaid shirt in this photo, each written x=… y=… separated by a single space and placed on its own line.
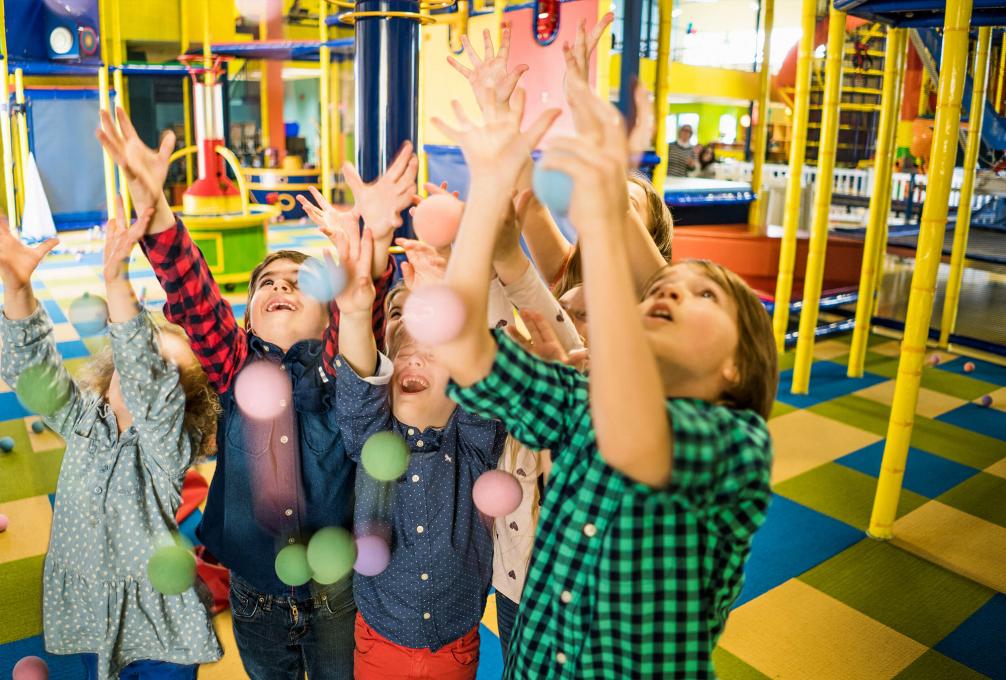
x=660 y=461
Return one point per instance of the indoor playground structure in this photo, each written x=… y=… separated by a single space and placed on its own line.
x=855 y=178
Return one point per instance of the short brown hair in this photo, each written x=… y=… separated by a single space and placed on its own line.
x=756 y=358
x=293 y=255
x=202 y=407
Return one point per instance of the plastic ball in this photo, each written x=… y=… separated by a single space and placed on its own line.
x=31 y=668
x=385 y=456
x=553 y=188
x=969 y=366
x=986 y=400
x=321 y=279
x=434 y=315
x=291 y=565
x=262 y=390
x=38 y=427
x=934 y=359
x=497 y=493
x=437 y=219
x=331 y=554
x=257 y=10
x=43 y=389
x=89 y=315
x=171 y=570
x=372 y=555
x=4 y=523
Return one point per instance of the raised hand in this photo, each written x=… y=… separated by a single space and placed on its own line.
x=146 y=169
x=578 y=54
x=641 y=135
x=433 y=190
x=381 y=202
x=119 y=241
x=423 y=266
x=355 y=255
x=324 y=215
x=491 y=80
x=17 y=260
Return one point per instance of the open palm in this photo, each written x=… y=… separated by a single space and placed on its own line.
x=145 y=169
x=490 y=78
x=17 y=260
x=381 y=202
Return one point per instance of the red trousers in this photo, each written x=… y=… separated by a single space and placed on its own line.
x=377 y=658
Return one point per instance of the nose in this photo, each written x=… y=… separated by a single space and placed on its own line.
x=669 y=291
x=281 y=285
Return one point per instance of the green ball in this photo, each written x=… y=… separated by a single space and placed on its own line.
x=43 y=389
x=385 y=456
x=171 y=570
x=291 y=565
x=331 y=554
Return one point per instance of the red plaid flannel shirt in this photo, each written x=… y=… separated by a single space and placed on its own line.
x=195 y=303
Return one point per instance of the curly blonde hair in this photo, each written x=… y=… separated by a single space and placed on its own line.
x=202 y=407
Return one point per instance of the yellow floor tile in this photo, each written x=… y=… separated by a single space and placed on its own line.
x=229 y=667
x=999 y=469
x=795 y=454
x=888 y=349
x=829 y=349
x=796 y=631
x=46 y=441
x=955 y=540
x=27 y=534
x=4 y=387
x=65 y=332
x=489 y=615
x=931 y=402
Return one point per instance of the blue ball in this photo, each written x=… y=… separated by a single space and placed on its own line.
x=89 y=315
x=320 y=279
x=38 y=427
x=6 y=444
x=553 y=188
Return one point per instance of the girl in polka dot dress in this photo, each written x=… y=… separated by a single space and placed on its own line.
x=132 y=427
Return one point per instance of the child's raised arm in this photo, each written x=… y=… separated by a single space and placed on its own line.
x=119 y=243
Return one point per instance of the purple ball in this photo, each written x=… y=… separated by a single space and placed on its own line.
x=986 y=400
x=372 y=555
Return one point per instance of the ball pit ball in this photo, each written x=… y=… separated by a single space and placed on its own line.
x=43 y=389
x=171 y=570
x=331 y=554
x=434 y=315
x=497 y=493
x=38 y=427
x=934 y=359
x=986 y=400
x=255 y=11
x=969 y=366
x=321 y=279
x=262 y=390
x=437 y=219
x=4 y=523
x=6 y=444
x=372 y=555
x=88 y=315
x=31 y=668
x=291 y=565
x=553 y=188
x=385 y=456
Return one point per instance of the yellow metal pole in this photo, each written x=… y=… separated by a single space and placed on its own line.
x=602 y=83
x=920 y=302
x=105 y=105
x=760 y=132
x=6 y=135
x=120 y=100
x=263 y=88
x=822 y=202
x=336 y=85
x=981 y=74
x=660 y=97
x=22 y=132
x=924 y=93
x=423 y=174
x=880 y=197
x=794 y=188
x=1002 y=73
x=324 y=95
x=186 y=88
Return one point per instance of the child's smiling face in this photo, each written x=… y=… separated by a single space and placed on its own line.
x=279 y=312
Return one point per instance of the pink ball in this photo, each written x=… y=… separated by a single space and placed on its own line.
x=31 y=668
x=437 y=219
x=934 y=359
x=4 y=522
x=372 y=555
x=434 y=315
x=969 y=366
x=262 y=390
x=497 y=493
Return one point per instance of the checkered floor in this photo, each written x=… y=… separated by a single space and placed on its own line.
x=821 y=599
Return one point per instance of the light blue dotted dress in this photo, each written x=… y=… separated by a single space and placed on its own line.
x=115 y=504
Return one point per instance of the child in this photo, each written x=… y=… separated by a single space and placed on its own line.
x=419 y=618
x=660 y=462
x=280 y=630
x=130 y=436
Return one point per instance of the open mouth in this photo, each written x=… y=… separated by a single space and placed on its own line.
x=660 y=311
x=413 y=384
x=280 y=306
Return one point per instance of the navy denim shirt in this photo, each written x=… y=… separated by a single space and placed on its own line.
x=434 y=589
x=233 y=528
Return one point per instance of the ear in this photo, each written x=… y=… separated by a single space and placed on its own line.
x=730 y=373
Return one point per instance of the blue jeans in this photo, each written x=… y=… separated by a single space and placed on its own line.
x=280 y=638
x=144 y=670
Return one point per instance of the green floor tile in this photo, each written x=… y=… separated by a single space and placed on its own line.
x=786 y=360
x=780 y=409
x=902 y=591
x=943 y=439
x=729 y=667
x=934 y=666
x=983 y=495
x=21 y=598
x=938 y=380
x=842 y=493
x=25 y=473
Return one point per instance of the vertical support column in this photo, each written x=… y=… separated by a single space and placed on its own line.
x=631 y=26
x=761 y=129
x=423 y=174
x=6 y=138
x=822 y=202
x=120 y=100
x=602 y=81
x=324 y=97
x=794 y=188
x=660 y=92
x=1002 y=74
x=880 y=197
x=981 y=75
x=386 y=70
x=105 y=105
x=920 y=303
x=186 y=88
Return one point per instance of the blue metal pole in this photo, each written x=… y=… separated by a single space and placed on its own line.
x=631 y=26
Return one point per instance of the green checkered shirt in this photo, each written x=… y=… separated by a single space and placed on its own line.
x=626 y=581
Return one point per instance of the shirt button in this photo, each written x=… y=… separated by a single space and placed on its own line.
x=415 y=478
x=426 y=615
x=284 y=439
x=338 y=363
x=288 y=512
x=419 y=443
x=411 y=431
x=291 y=541
x=566 y=597
x=425 y=577
x=282 y=403
x=420 y=529
x=97 y=490
x=589 y=530
x=560 y=658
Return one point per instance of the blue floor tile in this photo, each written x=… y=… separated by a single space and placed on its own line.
x=978 y=642
x=984 y=370
x=11 y=408
x=793 y=539
x=61 y=667
x=490 y=656
x=188 y=527
x=54 y=311
x=828 y=380
x=925 y=473
x=73 y=349
x=987 y=421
